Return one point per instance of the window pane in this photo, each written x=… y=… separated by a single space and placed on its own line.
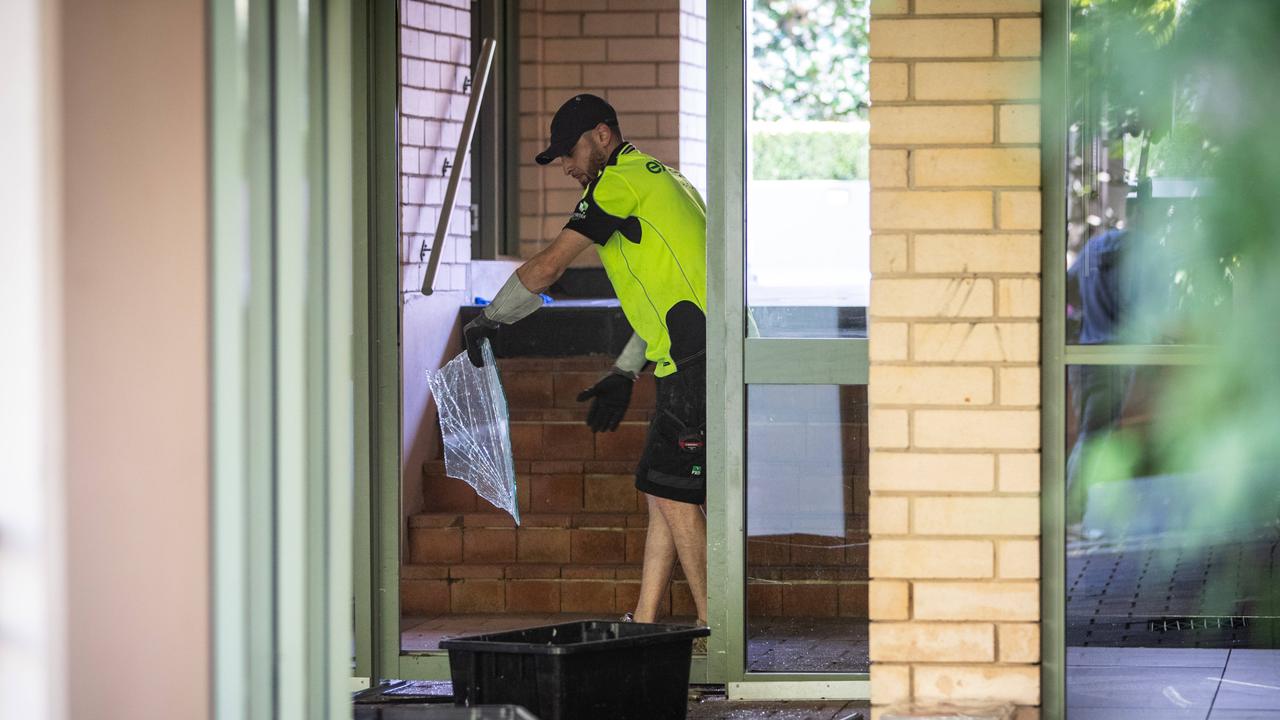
x=808 y=198
x=1139 y=192
x=806 y=528
x=1171 y=557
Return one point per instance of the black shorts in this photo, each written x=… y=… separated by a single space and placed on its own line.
x=674 y=463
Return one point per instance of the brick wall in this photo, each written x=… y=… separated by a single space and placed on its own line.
x=954 y=387
x=580 y=544
x=646 y=57
x=435 y=58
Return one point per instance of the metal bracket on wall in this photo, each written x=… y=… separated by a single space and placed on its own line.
x=483 y=65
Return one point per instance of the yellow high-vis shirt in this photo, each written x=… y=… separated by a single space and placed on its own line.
x=651 y=225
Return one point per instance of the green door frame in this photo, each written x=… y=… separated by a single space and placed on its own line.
x=733 y=361
x=375 y=268
x=1053 y=134
x=1057 y=355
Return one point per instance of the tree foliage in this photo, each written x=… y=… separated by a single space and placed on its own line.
x=809 y=59
x=809 y=151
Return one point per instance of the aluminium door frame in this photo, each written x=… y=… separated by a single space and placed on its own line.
x=733 y=360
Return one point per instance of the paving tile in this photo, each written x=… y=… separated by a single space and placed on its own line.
x=1114 y=713
x=1255 y=660
x=1217 y=714
x=1145 y=657
x=1153 y=688
x=1249 y=690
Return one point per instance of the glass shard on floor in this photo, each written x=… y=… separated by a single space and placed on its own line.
x=474 y=425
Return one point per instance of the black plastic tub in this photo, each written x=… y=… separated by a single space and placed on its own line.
x=578 y=671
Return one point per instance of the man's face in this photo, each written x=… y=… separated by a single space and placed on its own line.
x=587 y=158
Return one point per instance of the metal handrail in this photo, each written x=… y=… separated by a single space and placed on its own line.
x=484 y=64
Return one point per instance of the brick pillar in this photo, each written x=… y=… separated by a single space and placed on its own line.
x=954 y=387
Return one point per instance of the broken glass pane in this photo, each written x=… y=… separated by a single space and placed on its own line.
x=474 y=425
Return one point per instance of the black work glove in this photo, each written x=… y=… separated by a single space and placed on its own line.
x=609 y=400
x=475 y=333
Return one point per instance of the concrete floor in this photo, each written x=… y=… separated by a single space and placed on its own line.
x=1194 y=684
x=728 y=710
x=704 y=704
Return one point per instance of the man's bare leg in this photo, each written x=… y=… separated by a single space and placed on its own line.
x=688 y=529
x=659 y=561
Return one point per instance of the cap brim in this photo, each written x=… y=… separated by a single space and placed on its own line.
x=552 y=152
x=546 y=156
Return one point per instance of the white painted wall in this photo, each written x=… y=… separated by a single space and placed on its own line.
x=32 y=561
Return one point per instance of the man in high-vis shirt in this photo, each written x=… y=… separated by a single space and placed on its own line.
x=651 y=229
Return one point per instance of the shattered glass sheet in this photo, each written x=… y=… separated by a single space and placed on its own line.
x=475 y=428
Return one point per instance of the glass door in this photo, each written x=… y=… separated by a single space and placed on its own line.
x=788 y=240
x=1161 y=596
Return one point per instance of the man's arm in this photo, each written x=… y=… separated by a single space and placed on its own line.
x=612 y=394
x=540 y=271
x=518 y=298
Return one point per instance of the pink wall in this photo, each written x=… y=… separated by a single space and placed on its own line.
x=135 y=315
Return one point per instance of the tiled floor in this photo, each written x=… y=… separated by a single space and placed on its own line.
x=1198 y=684
x=774 y=644
x=1140 y=591
x=1168 y=625
x=808 y=645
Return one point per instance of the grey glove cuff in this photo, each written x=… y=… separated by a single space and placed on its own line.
x=632 y=359
x=513 y=302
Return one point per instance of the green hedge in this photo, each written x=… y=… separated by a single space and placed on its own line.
x=809 y=151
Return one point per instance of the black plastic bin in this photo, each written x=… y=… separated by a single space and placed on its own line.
x=578 y=671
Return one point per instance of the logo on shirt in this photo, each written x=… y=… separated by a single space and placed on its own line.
x=581 y=212
x=653 y=166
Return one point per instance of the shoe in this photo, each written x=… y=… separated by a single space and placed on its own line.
x=627 y=618
x=700 y=643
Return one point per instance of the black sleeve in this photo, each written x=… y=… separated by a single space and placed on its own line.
x=590 y=219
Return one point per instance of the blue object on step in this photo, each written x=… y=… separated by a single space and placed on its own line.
x=546 y=300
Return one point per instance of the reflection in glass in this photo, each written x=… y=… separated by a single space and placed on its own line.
x=808 y=197
x=1166 y=568
x=1138 y=170
x=807 y=528
x=1173 y=600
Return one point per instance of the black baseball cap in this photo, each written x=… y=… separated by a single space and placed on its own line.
x=578 y=115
